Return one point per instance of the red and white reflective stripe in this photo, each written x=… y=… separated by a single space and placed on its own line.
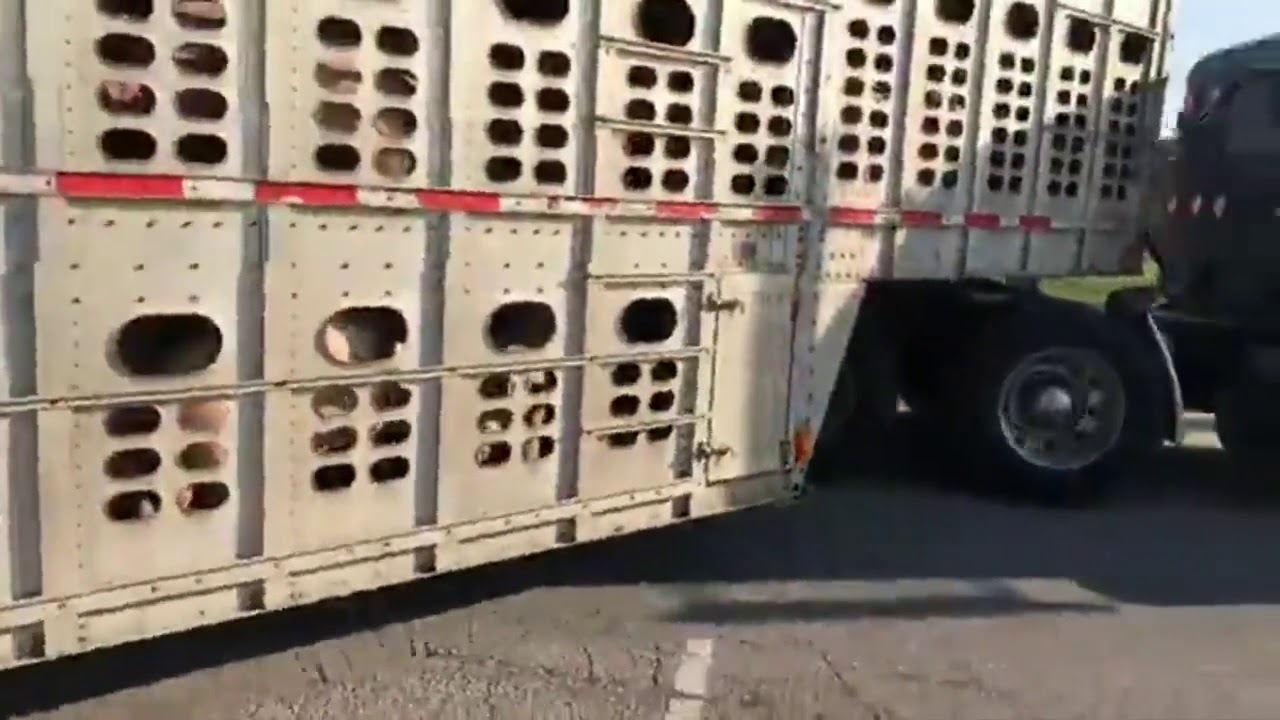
x=871 y=217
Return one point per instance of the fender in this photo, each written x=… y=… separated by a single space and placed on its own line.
x=1131 y=307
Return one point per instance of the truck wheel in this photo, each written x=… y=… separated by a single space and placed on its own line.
x=1061 y=398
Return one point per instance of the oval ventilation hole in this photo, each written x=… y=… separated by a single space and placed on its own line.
x=133 y=506
x=1134 y=48
x=202 y=497
x=624 y=406
x=201 y=149
x=126 y=9
x=337 y=80
x=388 y=395
x=496 y=386
x=503 y=169
x=333 y=478
x=521 y=325
x=506 y=57
x=494 y=454
x=1022 y=21
x=361 y=335
x=195 y=58
x=334 y=442
x=648 y=320
x=954 y=11
x=127 y=145
x=537 y=12
x=119 y=97
x=661 y=402
x=200 y=14
x=659 y=434
x=625 y=375
x=390 y=433
x=125 y=50
x=664 y=371
x=131 y=464
x=332 y=402
x=395 y=123
x=622 y=440
x=202 y=457
x=771 y=40
x=131 y=421
x=1082 y=35
x=666 y=22
x=166 y=345
x=337 y=157
x=495 y=421
x=541 y=382
x=394 y=163
x=201 y=104
x=504 y=132
x=537 y=448
x=339 y=32
x=389 y=469
x=396 y=82
x=337 y=117
x=554 y=63
x=540 y=415
x=204 y=416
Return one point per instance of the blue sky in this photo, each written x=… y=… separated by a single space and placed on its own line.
x=1201 y=26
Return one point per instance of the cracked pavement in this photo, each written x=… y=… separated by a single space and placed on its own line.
x=893 y=601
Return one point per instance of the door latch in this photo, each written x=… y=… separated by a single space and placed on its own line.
x=705 y=452
x=711 y=303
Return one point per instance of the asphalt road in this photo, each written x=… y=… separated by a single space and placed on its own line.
x=894 y=601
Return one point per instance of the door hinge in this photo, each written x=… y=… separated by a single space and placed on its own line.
x=711 y=303
x=705 y=452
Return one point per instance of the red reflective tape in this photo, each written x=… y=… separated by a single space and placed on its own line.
x=1035 y=223
x=921 y=218
x=106 y=185
x=852 y=216
x=599 y=204
x=466 y=202
x=307 y=194
x=982 y=221
x=778 y=213
x=683 y=211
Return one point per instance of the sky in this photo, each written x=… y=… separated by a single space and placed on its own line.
x=1202 y=26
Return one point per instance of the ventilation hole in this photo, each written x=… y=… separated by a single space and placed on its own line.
x=625 y=375
x=771 y=40
x=337 y=157
x=390 y=433
x=777 y=157
x=680 y=81
x=780 y=126
x=648 y=320
x=202 y=456
x=1022 y=21
x=624 y=406
x=553 y=100
x=204 y=415
x=852 y=114
x=522 y=325
x=131 y=464
x=1082 y=35
x=336 y=117
x=202 y=497
x=494 y=454
x=159 y=345
x=962 y=51
x=848 y=144
x=130 y=9
x=200 y=14
x=397 y=41
x=954 y=11
x=540 y=415
x=200 y=59
x=334 y=442
x=504 y=132
x=664 y=371
x=360 y=335
x=883 y=63
x=133 y=506
x=550 y=172
x=333 y=478
x=1134 y=49
x=131 y=421
x=854 y=87
x=661 y=402
x=859 y=30
x=396 y=82
x=201 y=149
x=938 y=47
x=553 y=63
x=742 y=184
x=856 y=58
x=747 y=123
x=125 y=50
x=679 y=114
x=642 y=77
x=660 y=434
x=338 y=32
x=622 y=440
x=750 y=91
x=877 y=146
x=782 y=96
x=667 y=22
x=395 y=123
x=119 y=97
x=506 y=95
x=776 y=185
x=675 y=181
x=928 y=152
x=336 y=80
x=638 y=144
x=503 y=169
x=389 y=469
x=541 y=383
x=847 y=171
x=677 y=148
x=332 y=402
x=537 y=12
x=495 y=421
x=746 y=153
x=505 y=56
x=552 y=136
x=640 y=110
x=537 y=448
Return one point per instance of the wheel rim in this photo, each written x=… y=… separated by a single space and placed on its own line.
x=1062 y=408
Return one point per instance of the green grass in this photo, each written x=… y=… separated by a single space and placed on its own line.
x=1094 y=290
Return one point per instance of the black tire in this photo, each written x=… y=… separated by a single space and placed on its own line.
x=1044 y=324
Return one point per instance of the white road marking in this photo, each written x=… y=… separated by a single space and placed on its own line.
x=691 y=680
